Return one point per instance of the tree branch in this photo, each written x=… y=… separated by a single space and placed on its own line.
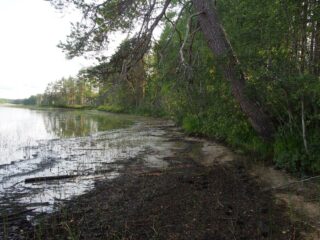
x=187 y=36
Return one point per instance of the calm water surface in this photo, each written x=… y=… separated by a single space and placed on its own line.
x=22 y=129
x=88 y=144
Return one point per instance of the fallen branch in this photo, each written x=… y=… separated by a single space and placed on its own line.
x=103 y=171
x=91 y=149
x=48 y=178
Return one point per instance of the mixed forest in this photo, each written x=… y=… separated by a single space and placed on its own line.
x=244 y=72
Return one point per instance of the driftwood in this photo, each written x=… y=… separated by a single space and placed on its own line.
x=61 y=177
x=48 y=178
x=98 y=172
x=91 y=149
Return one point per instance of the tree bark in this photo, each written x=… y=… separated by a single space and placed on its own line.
x=221 y=48
x=304 y=23
x=316 y=59
x=303 y=125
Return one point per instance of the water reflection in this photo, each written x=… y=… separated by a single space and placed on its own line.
x=21 y=129
x=64 y=124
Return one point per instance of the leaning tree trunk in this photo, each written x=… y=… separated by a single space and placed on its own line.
x=221 y=48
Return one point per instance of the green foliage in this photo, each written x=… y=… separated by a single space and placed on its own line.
x=2 y=101
x=270 y=39
x=111 y=108
x=71 y=92
x=198 y=96
x=201 y=101
x=192 y=124
x=289 y=152
x=276 y=42
x=102 y=19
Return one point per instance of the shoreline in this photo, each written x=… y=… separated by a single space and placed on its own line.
x=205 y=184
x=205 y=192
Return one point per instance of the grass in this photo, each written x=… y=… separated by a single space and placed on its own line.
x=111 y=108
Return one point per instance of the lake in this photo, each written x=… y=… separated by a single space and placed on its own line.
x=85 y=146
x=21 y=128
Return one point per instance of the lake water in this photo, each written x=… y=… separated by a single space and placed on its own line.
x=21 y=129
x=88 y=145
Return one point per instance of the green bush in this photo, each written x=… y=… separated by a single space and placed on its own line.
x=290 y=153
x=111 y=108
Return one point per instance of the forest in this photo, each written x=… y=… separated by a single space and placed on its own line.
x=255 y=87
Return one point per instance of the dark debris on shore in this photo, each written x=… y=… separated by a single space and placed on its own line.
x=186 y=201
x=183 y=201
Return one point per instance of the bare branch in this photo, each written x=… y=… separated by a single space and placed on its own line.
x=145 y=38
x=187 y=36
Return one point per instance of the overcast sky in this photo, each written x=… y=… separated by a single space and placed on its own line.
x=29 y=59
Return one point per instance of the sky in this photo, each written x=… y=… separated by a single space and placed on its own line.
x=29 y=58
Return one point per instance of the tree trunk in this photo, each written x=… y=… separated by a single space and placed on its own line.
x=221 y=48
x=316 y=59
x=304 y=44
x=303 y=125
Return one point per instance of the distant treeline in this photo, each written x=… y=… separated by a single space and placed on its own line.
x=12 y=101
x=63 y=93
x=4 y=100
x=32 y=100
